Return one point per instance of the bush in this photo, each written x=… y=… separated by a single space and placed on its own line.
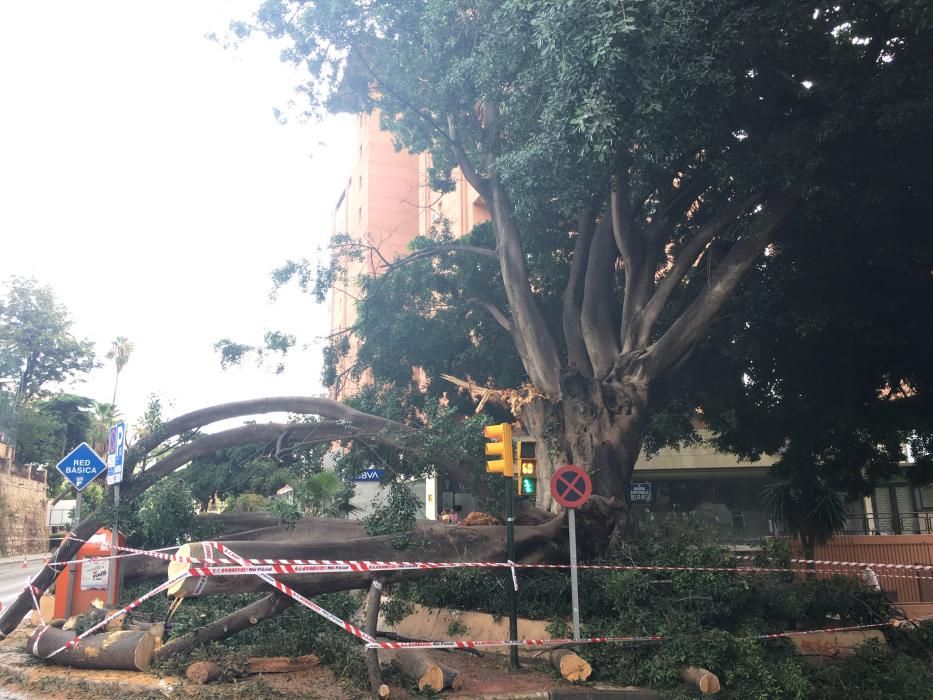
x=710 y=619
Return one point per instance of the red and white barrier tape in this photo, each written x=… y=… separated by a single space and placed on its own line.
x=873 y=565
x=32 y=591
x=472 y=644
x=365 y=565
x=310 y=604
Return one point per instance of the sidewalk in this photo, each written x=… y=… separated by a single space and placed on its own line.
x=19 y=558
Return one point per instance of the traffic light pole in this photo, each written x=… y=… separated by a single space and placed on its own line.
x=510 y=552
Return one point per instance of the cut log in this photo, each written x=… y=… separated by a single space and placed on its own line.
x=384 y=691
x=427 y=672
x=705 y=681
x=570 y=666
x=119 y=651
x=421 y=667
x=451 y=677
x=207 y=671
x=202 y=672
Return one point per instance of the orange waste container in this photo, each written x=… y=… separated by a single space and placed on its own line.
x=91 y=575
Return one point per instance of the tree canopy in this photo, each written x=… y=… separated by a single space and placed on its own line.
x=640 y=162
x=37 y=347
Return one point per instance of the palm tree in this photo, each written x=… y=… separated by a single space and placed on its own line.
x=120 y=351
x=105 y=415
x=325 y=495
x=808 y=509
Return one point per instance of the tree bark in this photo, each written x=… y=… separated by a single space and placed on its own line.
x=419 y=666
x=126 y=651
x=252 y=614
x=372 y=620
x=432 y=541
x=206 y=671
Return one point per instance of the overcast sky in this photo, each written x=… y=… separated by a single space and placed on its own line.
x=144 y=177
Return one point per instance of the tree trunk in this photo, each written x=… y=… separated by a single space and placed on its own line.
x=121 y=651
x=228 y=625
x=372 y=621
x=598 y=425
x=432 y=541
x=419 y=666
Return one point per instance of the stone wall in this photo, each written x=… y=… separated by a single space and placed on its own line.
x=24 y=525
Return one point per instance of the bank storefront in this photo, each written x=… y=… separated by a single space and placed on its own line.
x=712 y=487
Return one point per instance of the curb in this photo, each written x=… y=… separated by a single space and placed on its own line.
x=577 y=694
x=19 y=559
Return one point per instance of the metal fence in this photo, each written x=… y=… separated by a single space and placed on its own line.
x=916 y=523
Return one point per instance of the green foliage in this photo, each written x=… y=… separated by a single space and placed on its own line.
x=234 y=471
x=395 y=610
x=36 y=344
x=38 y=437
x=395 y=516
x=165 y=515
x=809 y=510
x=247 y=503
x=293 y=632
x=324 y=495
x=710 y=619
x=831 y=102
x=879 y=672
x=287 y=513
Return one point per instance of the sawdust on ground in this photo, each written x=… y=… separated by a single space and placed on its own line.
x=22 y=674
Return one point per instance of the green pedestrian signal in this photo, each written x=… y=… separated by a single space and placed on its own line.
x=529 y=486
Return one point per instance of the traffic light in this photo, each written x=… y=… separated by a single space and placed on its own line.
x=500 y=449
x=527 y=469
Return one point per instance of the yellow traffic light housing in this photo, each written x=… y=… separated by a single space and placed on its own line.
x=500 y=448
x=527 y=469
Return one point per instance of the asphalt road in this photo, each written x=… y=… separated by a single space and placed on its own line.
x=13 y=577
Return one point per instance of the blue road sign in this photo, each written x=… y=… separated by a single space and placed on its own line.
x=81 y=466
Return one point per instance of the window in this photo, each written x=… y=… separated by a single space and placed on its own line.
x=926 y=497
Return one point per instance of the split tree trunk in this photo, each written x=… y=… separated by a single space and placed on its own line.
x=121 y=651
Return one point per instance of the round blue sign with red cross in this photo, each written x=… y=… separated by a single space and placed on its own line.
x=571 y=486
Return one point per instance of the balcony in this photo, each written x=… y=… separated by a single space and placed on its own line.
x=915 y=523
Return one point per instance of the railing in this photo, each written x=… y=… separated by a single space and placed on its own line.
x=918 y=523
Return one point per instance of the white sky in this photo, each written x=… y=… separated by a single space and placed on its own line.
x=144 y=177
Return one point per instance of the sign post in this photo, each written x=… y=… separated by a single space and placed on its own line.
x=571 y=487
x=115 y=448
x=81 y=466
x=510 y=553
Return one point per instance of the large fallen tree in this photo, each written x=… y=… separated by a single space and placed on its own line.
x=177 y=442
x=318 y=538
